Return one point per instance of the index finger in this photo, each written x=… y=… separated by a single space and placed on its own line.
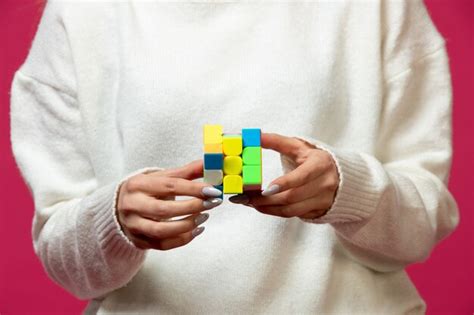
x=162 y=186
x=289 y=146
x=192 y=170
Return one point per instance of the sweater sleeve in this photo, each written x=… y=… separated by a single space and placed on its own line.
x=75 y=231
x=392 y=207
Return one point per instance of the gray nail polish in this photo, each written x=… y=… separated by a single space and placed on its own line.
x=201 y=218
x=211 y=192
x=212 y=202
x=239 y=199
x=197 y=231
x=273 y=189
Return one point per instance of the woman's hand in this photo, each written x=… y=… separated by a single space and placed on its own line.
x=307 y=192
x=144 y=199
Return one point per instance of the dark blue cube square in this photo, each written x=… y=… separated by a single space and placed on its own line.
x=213 y=161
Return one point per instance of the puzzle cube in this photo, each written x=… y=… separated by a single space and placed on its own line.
x=212 y=134
x=213 y=161
x=251 y=137
x=213 y=148
x=213 y=177
x=232 y=144
x=233 y=184
x=252 y=175
x=232 y=162
x=232 y=165
x=252 y=155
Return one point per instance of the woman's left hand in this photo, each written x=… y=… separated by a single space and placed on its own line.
x=307 y=192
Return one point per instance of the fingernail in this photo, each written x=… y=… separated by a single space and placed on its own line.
x=211 y=192
x=239 y=199
x=197 y=231
x=211 y=203
x=273 y=189
x=201 y=218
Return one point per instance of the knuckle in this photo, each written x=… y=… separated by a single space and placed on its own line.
x=195 y=205
x=133 y=229
x=170 y=186
x=288 y=198
x=326 y=201
x=286 y=212
x=303 y=177
x=332 y=183
x=326 y=160
x=134 y=183
x=158 y=231
x=126 y=203
x=185 y=238
x=162 y=210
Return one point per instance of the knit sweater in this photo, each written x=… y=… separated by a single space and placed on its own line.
x=113 y=89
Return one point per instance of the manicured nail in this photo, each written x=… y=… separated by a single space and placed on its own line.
x=211 y=192
x=212 y=202
x=197 y=231
x=200 y=219
x=239 y=199
x=273 y=189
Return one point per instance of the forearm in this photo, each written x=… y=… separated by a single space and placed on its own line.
x=389 y=216
x=82 y=247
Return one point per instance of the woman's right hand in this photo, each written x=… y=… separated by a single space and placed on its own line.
x=144 y=199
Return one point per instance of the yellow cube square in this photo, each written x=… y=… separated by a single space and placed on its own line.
x=233 y=184
x=232 y=165
x=213 y=148
x=212 y=134
x=232 y=145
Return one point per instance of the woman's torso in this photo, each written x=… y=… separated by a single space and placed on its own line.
x=295 y=68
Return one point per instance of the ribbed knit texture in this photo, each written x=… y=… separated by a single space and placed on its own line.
x=113 y=89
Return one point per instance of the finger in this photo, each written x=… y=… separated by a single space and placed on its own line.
x=317 y=163
x=161 y=230
x=315 y=187
x=289 y=146
x=314 y=214
x=181 y=239
x=190 y=171
x=160 y=186
x=301 y=175
x=168 y=243
x=299 y=208
x=151 y=207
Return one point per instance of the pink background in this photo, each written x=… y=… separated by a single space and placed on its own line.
x=445 y=280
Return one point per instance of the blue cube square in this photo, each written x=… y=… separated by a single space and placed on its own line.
x=251 y=137
x=213 y=161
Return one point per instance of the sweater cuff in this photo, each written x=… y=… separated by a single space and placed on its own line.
x=112 y=240
x=356 y=197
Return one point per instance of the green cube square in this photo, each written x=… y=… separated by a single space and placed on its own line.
x=252 y=156
x=252 y=174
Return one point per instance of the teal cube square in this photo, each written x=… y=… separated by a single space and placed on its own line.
x=251 y=137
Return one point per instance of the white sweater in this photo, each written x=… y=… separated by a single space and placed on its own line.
x=113 y=89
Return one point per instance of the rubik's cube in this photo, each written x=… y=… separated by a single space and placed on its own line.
x=232 y=162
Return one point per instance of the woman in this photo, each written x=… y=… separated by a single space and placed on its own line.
x=354 y=99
